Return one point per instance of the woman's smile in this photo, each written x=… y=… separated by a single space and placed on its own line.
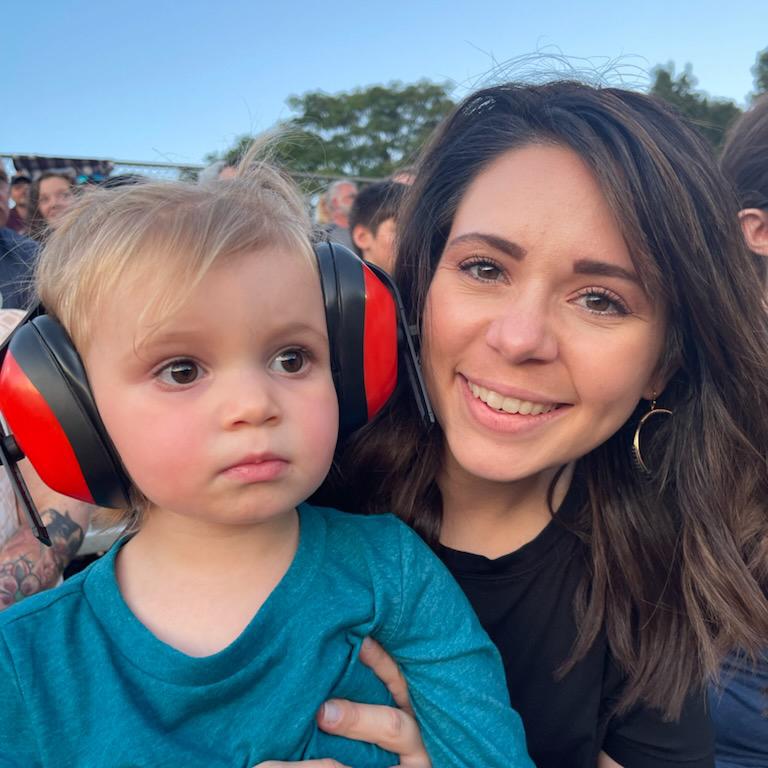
x=508 y=414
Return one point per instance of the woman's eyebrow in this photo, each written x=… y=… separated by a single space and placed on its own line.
x=494 y=241
x=603 y=268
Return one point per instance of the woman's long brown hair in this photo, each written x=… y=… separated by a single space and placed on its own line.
x=678 y=561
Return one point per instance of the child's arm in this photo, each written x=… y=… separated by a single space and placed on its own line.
x=454 y=673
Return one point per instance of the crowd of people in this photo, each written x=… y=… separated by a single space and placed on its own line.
x=583 y=289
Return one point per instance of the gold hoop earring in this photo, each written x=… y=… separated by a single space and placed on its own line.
x=636 y=452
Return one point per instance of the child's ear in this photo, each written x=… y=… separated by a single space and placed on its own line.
x=754 y=225
x=362 y=237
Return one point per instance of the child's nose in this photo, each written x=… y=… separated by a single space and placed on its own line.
x=249 y=399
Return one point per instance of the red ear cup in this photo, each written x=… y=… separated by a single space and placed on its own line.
x=362 y=331
x=369 y=338
x=49 y=408
x=379 y=343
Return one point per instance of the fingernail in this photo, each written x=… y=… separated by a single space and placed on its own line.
x=366 y=643
x=331 y=713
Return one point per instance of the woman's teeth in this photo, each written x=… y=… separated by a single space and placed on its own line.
x=509 y=404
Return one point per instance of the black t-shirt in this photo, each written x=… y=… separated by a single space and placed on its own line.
x=525 y=602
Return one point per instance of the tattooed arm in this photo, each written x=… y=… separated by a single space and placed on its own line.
x=26 y=565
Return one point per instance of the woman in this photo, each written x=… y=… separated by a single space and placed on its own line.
x=573 y=262
x=50 y=198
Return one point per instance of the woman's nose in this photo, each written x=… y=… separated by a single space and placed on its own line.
x=523 y=330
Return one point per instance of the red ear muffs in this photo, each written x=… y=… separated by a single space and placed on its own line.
x=368 y=336
x=53 y=420
x=49 y=408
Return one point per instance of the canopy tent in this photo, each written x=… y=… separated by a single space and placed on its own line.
x=82 y=169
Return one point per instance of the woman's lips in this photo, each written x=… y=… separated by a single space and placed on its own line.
x=508 y=414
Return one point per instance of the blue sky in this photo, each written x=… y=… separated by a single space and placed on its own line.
x=153 y=80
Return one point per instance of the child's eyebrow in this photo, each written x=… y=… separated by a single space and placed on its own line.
x=157 y=341
x=161 y=338
x=301 y=327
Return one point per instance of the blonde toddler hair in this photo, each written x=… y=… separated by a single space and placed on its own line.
x=163 y=237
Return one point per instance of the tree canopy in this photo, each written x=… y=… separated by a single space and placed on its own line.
x=367 y=132
x=711 y=116
x=760 y=73
x=370 y=132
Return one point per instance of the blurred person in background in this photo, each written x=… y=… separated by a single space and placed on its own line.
x=17 y=219
x=405 y=175
x=50 y=197
x=373 y=221
x=341 y=194
x=739 y=703
x=17 y=254
x=219 y=170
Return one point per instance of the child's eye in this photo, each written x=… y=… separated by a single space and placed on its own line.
x=483 y=270
x=290 y=361
x=602 y=302
x=182 y=371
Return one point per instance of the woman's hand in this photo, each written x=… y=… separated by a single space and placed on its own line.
x=387 y=727
x=305 y=763
x=392 y=729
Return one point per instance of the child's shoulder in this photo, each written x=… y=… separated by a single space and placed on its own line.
x=383 y=537
x=372 y=527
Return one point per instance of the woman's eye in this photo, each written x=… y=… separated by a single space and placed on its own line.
x=290 y=361
x=180 y=372
x=486 y=271
x=602 y=304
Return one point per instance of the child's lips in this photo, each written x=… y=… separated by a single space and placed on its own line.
x=257 y=468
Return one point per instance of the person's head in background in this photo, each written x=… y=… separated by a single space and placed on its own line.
x=341 y=195
x=50 y=197
x=373 y=220
x=220 y=170
x=745 y=163
x=20 y=194
x=4 y=191
x=322 y=215
x=405 y=175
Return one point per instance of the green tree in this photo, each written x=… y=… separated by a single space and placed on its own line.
x=366 y=132
x=760 y=72
x=711 y=116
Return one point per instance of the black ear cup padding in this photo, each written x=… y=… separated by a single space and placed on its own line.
x=343 y=284
x=61 y=379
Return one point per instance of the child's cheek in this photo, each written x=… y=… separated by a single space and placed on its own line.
x=319 y=428
x=158 y=447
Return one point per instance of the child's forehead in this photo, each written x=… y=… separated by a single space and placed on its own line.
x=268 y=289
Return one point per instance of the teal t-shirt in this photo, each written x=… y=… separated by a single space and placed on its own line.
x=84 y=683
